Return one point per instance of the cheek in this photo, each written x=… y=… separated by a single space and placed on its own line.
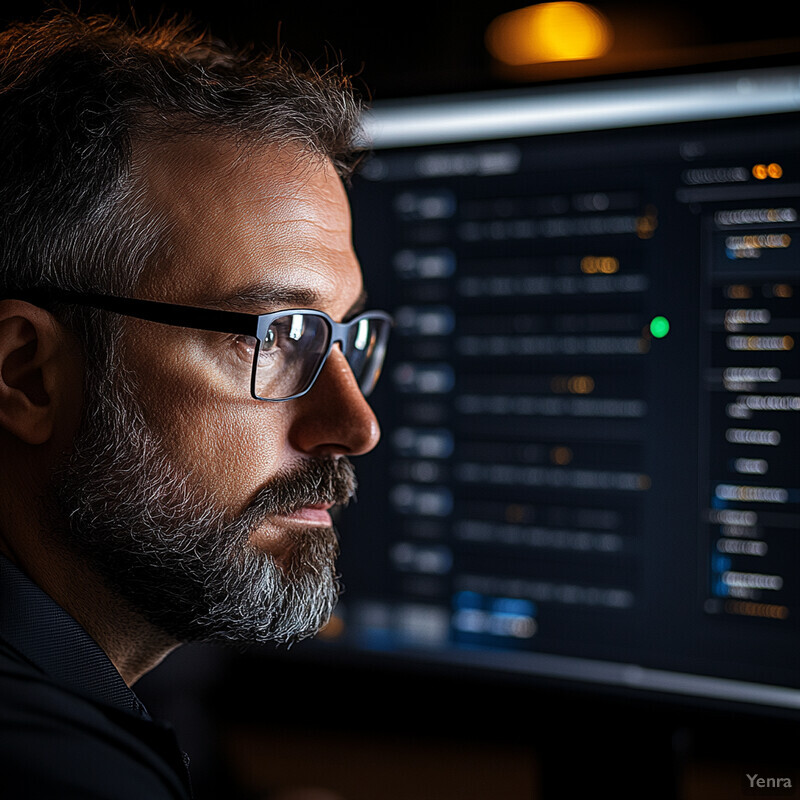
x=211 y=427
x=232 y=450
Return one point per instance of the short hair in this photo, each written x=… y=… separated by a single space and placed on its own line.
x=76 y=91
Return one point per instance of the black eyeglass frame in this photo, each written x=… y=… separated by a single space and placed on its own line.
x=212 y=319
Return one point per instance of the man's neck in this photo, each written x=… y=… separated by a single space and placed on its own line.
x=133 y=645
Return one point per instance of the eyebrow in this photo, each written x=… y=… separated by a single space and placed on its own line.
x=255 y=298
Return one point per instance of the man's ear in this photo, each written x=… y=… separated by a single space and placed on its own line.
x=33 y=371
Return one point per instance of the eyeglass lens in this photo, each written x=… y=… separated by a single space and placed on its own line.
x=295 y=345
x=364 y=349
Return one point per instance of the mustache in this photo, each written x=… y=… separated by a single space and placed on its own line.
x=309 y=483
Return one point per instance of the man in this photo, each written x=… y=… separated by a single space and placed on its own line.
x=184 y=360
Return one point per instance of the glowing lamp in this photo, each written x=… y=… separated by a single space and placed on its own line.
x=563 y=31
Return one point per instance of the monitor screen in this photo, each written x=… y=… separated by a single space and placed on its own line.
x=590 y=463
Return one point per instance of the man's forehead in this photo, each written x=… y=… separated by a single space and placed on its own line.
x=255 y=229
x=181 y=173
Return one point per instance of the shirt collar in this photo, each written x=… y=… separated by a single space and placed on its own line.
x=53 y=641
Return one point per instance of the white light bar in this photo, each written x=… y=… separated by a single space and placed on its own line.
x=611 y=104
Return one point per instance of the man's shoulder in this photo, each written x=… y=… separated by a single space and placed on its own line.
x=58 y=743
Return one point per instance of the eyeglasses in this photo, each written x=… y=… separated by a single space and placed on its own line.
x=290 y=348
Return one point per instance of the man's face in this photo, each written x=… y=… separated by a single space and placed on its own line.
x=205 y=508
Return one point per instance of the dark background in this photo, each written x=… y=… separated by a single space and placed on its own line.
x=415 y=48
x=451 y=735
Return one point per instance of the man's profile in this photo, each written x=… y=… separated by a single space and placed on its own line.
x=184 y=363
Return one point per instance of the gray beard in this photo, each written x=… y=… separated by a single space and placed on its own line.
x=157 y=539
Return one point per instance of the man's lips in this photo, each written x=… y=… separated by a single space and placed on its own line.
x=318 y=514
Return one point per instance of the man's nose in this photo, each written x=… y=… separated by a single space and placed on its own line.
x=334 y=418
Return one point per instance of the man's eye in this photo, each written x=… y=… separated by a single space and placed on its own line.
x=245 y=347
x=284 y=334
x=281 y=339
x=270 y=340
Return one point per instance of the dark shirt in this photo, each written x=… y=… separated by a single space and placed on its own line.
x=69 y=725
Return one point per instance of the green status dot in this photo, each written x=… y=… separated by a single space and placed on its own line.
x=659 y=327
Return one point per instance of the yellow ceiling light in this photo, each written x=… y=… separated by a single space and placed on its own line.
x=563 y=31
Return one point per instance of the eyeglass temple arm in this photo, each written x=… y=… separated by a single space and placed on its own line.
x=208 y=319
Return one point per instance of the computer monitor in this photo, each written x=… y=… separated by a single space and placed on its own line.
x=590 y=465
